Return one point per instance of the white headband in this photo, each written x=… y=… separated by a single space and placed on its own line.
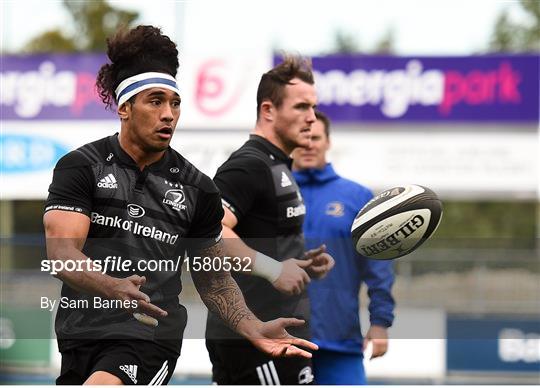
x=137 y=83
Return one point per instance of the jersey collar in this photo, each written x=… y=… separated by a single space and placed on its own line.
x=124 y=157
x=274 y=152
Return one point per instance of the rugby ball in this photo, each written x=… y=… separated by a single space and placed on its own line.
x=396 y=222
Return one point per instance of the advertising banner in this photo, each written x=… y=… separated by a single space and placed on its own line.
x=494 y=344
x=221 y=89
x=51 y=87
x=357 y=88
x=481 y=165
x=217 y=91
x=28 y=153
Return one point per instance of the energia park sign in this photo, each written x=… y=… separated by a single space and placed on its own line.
x=350 y=89
x=476 y=88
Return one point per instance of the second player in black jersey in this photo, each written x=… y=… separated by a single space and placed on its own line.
x=263 y=207
x=126 y=201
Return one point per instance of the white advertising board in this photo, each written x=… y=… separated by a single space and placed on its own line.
x=416 y=347
x=462 y=164
x=458 y=165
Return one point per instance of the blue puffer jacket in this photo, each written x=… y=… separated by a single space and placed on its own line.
x=332 y=202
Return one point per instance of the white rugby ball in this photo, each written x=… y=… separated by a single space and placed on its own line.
x=396 y=222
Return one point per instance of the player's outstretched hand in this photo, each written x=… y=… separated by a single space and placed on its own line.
x=128 y=289
x=272 y=338
x=321 y=262
x=293 y=278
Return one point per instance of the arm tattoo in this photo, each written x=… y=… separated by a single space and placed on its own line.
x=219 y=291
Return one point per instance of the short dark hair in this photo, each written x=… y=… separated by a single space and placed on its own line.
x=139 y=50
x=325 y=120
x=272 y=84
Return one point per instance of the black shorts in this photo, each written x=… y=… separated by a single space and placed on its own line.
x=132 y=361
x=237 y=362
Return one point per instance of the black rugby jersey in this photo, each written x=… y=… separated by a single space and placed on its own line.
x=154 y=214
x=257 y=185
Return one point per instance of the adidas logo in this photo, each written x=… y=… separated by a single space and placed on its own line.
x=109 y=182
x=268 y=374
x=285 y=181
x=131 y=371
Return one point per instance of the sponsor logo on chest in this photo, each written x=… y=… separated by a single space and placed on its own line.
x=134 y=227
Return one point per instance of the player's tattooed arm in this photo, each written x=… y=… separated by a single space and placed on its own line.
x=222 y=296
x=220 y=293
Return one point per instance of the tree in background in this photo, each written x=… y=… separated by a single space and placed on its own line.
x=94 y=21
x=51 y=41
x=509 y=36
x=347 y=43
x=385 y=46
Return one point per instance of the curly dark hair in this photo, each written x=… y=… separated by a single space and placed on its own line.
x=273 y=82
x=139 y=50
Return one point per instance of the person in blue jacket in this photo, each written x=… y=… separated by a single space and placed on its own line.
x=331 y=203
